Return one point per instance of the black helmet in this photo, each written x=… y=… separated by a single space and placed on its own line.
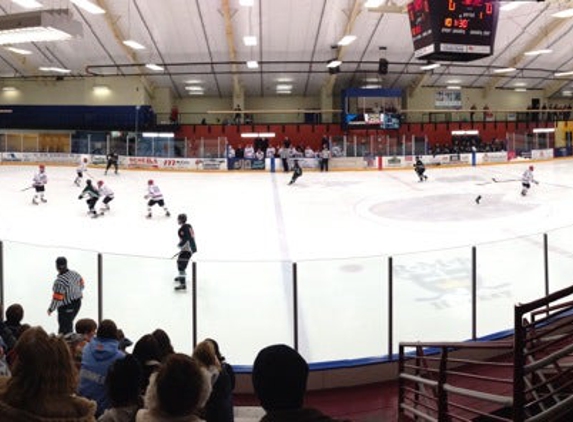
x=182 y=218
x=88 y=182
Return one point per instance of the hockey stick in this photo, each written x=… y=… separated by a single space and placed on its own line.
x=504 y=180
x=28 y=188
x=176 y=255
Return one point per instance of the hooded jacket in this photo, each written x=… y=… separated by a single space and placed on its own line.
x=98 y=355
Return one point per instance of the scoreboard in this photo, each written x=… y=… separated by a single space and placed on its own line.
x=453 y=30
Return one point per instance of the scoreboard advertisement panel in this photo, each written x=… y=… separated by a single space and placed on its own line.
x=453 y=30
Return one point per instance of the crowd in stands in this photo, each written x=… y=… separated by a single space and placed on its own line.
x=467 y=144
x=89 y=375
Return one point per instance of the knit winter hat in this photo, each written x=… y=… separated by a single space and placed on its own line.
x=279 y=378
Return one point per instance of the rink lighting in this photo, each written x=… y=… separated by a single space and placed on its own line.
x=505 y=70
x=258 y=135
x=158 y=135
x=544 y=130
x=465 y=132
x=558 y=74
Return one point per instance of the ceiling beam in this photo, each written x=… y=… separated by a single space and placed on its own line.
x=230 y=35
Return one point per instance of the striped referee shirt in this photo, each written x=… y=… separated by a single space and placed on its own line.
x=67 y=288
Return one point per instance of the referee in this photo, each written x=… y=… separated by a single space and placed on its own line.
x=67 y=296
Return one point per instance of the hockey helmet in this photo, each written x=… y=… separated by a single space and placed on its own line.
x=182 y=218
x=150 y=182
x=42 y=167
x=531 y=168
x=100 y=182
x=89 y=182
x=85 y=160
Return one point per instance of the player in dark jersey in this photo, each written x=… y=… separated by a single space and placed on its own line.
x=187 y=248
x=420 y=168
x=93 y=195
x=112 y=160
x=297 y=172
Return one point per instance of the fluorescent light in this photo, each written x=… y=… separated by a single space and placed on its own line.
x=9 y=88
x=258 y=135
x=196 y=92
x=249 y=40
x=283 y=79
x=465 y=132
x=538 y=52
x=504 y=70
x=158 y=135
x=28 y=4
x=369 y=80
x=154 y=66
x=89 y=7
x=569 y=72
x=520 y=90
x=333 y=63
x=544 y=130
x=454 y=81
x=54 y=69
x=194 y=81
x=567 y=13
x=373 y=3
x=194 y=88
x=347 y=39
x=252 y=64
x=430 y=66
x=19 y=51
x=512 y=5
x=454 y=87
x=283 y=87
x=247 y=2
x=567 y=93
x=100 y=89
x=284 y=92
x=134 y=44
x=520 y=84
x=38 y=26
x=371 y=86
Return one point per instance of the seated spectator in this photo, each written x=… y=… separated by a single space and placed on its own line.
x=42 y=386
x=122 y=383
x=176 y=392
x=259 y=155
x=87 y=327
x=164 y=343
x=6 y=336
x=219 y=407
x=279 y=379
x=85 y=331
x=308 y=152
x=204 y=354
x=14 y=317
x=148 y=353
x=249 y=151
x=99 y=354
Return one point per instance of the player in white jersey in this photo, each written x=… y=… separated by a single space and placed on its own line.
x=155 y=197
x=106 y=193
x=526 y=180
x=39 y=183
x=80 y=170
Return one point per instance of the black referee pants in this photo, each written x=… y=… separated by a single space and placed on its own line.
x=66 y=316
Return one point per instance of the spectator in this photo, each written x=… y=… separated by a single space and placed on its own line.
x=164 y=343
x=14 y=316
x=99 y=354
x=176 y=392
x=219 y=407
x=85 y=331
x=7 y=339
x=148 y=353
x=204 y=354
x=279 y=379
x=43 y=383
x=122 y=383
x=67 y=296
x=87 y=327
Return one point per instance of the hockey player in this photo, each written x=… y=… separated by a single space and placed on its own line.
x=526 y=180
x=187 y=247
x=420 y=169
x=112 y=160
x=297 y=172
x=39 y=183
x=93 y=195
x=155 y=197
x=106 y=193
x=80 y=170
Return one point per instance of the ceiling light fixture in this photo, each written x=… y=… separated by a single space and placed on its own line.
x=89 y=7
x=538 y=52
x=258 y=135
x=504 y=70
x=454 y=81
x=567 y=13
x=38 y=26
x=465 y=132
x=247 y=2
x=28 y=4
x=430 y=66
x=154 y=66
x=370 y=4
x=134 y=44
x=194 y=88
x=333 y=63
x=252 y=64
x=558 y=74
x=54 y=69
x=250 y=40
x=544 y=130
x=520 y=90
x=347 y=39
x=13 y=88
x=454 y=87
x=19 y=51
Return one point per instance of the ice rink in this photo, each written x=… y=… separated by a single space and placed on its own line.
x=340 y=228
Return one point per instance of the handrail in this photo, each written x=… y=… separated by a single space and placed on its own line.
x=496 y=398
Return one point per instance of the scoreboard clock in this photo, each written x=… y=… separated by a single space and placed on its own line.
x=453 y=30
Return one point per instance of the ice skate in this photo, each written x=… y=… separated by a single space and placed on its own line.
x=148 y=215
x=478 y=199
x=425 y=177
x=167 y=214
x=181 y=287
x=34 y=201
x=43 y=200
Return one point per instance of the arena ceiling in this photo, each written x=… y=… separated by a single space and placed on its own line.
x=199 y=43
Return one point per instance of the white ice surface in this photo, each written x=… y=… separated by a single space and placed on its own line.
x=340 y=227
